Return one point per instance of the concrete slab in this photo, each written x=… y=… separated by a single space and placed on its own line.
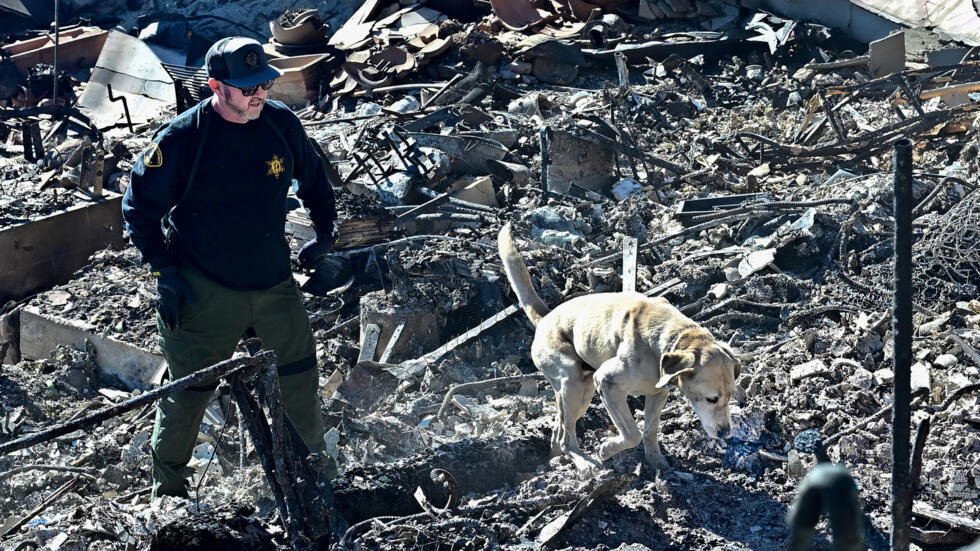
x=41 y=333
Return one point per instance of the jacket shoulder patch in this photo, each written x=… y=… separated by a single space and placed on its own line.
x=153 y=156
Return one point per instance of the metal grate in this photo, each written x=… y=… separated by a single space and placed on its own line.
x=190 y=84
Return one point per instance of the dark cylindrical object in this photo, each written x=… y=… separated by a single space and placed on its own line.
x=545 y=157
x=920 y=443
x=902 y=330
x=828 y=488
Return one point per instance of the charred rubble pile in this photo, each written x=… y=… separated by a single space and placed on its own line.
x=735 y=163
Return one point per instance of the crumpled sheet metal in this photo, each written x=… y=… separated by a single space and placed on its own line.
x=134 y=72
x=519 y=15
x=470 y=154
x=393 y=60
x=306 y=28
x=661 y=49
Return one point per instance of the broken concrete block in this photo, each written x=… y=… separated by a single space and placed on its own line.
x=809 y=369
x=946 y=361
x=861 y=378
x=755 y=261
x=920 y=376
x=934 y=325
x=884 y=376
x=575 y=160
x=421 y=331
x=624 y=188
x=394 y=189
x=719 y=290
x=957 y=381
x=475 y=190
x=556 y=238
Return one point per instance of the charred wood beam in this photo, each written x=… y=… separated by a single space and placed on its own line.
x=864 y=144
x=886 y=84
x=258 y=429
x=216 y=371
x=87 y=472
x=52 y=497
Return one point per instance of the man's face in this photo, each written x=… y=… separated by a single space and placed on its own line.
x=246 y=107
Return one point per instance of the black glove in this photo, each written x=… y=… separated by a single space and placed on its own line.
x=172 y=291
x=315 y=249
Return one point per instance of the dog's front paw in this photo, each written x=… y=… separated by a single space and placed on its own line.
x=608 y=449
x=657 y=462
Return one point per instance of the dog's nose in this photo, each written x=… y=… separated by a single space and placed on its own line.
x=724 y=433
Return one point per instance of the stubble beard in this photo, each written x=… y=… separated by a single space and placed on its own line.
x=249 y=113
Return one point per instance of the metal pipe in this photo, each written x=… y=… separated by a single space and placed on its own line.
x=57 y=36
x=902 y=327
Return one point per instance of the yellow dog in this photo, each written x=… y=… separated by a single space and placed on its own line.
x=626 y=344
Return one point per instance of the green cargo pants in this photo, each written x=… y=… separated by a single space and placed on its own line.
x=210 y=331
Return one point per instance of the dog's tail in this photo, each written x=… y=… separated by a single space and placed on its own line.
x=520 y=279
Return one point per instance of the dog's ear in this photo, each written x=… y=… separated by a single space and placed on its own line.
x=673 y=365
x=731 y=354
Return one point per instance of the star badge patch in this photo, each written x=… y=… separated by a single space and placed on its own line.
x=276 y=167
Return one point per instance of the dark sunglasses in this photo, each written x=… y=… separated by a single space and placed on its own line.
x=251 y=90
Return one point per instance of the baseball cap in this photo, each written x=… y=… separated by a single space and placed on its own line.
x=239 y=61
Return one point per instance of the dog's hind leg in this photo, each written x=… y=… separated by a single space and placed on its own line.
x=564 y=369
x=651 y=431
x=585 y=398
x=608 y=379
x=558 y=446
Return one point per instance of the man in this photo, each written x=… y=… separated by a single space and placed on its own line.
x=206 y=207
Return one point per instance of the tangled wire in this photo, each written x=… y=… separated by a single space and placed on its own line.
x=947 y=259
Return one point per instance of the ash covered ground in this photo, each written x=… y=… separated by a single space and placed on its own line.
x=798 y=278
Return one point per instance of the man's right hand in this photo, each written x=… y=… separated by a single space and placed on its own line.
x=172 y=291
x=315 y=249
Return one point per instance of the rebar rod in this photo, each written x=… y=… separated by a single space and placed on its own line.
x=903 y=328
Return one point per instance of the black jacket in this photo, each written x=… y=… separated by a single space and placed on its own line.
x=230 y=221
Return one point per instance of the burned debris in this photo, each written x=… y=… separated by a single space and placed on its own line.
x=735 y=162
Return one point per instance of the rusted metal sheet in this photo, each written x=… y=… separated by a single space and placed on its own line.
x=45 y=252
x=518 y=15
x=78 y=49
